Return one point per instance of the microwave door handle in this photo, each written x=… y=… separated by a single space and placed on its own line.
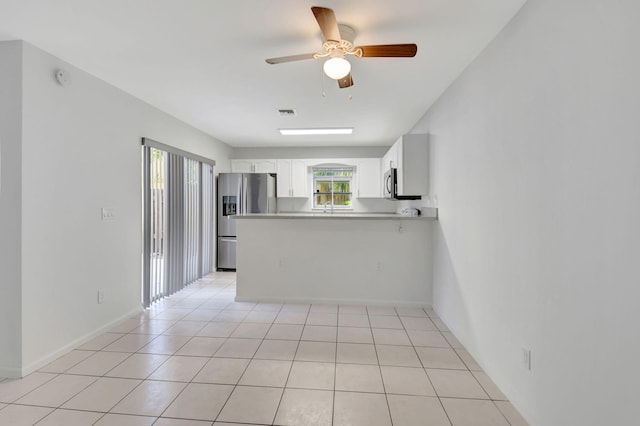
x=388 y=184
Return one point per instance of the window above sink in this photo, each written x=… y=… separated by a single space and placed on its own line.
x=332 y=186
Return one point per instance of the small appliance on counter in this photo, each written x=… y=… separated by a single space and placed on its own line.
x=410 y=211
x=238 y=194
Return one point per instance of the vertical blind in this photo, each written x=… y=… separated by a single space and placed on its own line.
x=178 y=220
x=192 y=218
x=208 y=214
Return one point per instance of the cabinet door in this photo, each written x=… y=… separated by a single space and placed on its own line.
x=299 y=187
x=415 y=164
x=242 y=166
x=283 y=170
x=395 y=154
x=390 y=159
x=368 y=176
x=265 y=166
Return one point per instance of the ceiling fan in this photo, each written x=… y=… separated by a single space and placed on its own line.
x=339 y=43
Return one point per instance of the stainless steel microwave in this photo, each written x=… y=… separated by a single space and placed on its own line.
x=390 y=187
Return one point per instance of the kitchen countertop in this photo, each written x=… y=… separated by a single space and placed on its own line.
x=427 y=214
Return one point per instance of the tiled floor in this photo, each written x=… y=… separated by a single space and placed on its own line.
x=199 y=358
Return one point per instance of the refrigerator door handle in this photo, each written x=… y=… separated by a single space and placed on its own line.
x=241 y=193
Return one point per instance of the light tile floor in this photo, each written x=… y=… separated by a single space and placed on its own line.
x=199 y=358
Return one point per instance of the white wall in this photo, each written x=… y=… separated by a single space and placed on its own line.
x=536 y=162
x=10 y=206
x=81 y=152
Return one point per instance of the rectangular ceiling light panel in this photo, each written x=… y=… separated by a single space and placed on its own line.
x=325 y=131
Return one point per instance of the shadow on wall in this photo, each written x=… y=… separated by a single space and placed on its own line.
x=448 y=300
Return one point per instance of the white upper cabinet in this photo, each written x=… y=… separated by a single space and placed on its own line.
x=410 y=155
x=292 y=178
x=369 y=178
x=253 y=166
x=390 y=159
x=242 y=166
x=265 y=166
x=283 y=181
x=299 y=174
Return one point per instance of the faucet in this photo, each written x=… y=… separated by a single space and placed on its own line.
x=325 y=206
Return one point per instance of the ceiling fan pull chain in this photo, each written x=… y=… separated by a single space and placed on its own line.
x=324 y=94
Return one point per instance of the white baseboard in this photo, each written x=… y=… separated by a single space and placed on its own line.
x=69 y=347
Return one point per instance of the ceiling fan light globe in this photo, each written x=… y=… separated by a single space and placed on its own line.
x=337 y=68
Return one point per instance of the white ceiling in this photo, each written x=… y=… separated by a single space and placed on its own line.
x=202 y=61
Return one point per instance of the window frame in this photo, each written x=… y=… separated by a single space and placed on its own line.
x=331 y=180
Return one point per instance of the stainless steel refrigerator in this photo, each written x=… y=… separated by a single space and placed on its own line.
x=240 y=193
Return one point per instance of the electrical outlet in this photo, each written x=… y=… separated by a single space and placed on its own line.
x=108 y=214
x=100 y=296
x=526 y=358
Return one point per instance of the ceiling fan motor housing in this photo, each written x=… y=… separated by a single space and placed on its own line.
x=344 y=46
x=347 y=33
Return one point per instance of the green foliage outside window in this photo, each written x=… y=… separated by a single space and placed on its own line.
x=332 y=186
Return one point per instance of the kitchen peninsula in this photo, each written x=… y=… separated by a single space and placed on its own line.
x=335 y=258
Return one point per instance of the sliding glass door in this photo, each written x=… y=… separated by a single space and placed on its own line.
x=178 y=220
x=155 y=218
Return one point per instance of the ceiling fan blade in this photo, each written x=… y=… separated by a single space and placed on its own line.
x=345 y=82
x=291 y=58
x=327 y=22
x=389 y=51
